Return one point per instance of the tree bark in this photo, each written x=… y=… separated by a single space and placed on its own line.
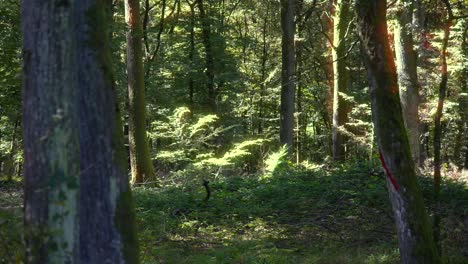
x=288 y=74
x=140 y=159
x=340 y=113
x=209 y=57
x=78 y=205
x=412 y=222
x=50 y=122
x=407 y=74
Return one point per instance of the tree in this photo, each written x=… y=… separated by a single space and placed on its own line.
x=407 y=73
x=412 y=222
x=209 y=57
x=78 y=205
x=287 y=73
x=341 y=29
x=51 y=144
x=140 y=159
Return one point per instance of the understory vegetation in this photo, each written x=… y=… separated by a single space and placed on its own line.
x=296 y=215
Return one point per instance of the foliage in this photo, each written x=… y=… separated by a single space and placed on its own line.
x=187 y=140
x=302 y=216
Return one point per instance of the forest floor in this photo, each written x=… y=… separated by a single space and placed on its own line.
x=298 y=216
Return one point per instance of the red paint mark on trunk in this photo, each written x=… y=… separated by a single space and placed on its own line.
x=387 y=171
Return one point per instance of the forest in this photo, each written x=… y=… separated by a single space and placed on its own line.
x=233 y=131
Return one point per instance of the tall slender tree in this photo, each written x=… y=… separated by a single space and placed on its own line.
x=78 y=205
x=209 y=56
x=341 y=25
x=407 y=73
x=140 y=159
x=288 y=73
x=412 y=222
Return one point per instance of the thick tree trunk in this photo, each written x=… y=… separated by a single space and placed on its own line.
x=288 y=74
x=209 y=57
x=340 y=112
x=140 y=159
x=78 y=205
x=407 y=74
x=412 y=222
x=107 y=227
x=50 y=122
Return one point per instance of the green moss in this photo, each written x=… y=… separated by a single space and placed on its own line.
x=125 y=223
x=98 y=23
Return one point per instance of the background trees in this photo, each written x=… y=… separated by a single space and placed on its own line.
x=213 y=76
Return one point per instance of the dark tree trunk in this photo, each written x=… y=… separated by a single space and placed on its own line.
x=412 y=222
x=140 y=159
x=299 y=80
x=264 y=59
x=340 y=113
x=209 y=58
x=191 y=84
x=78 y=205
x=288 y=74
x=407 y=74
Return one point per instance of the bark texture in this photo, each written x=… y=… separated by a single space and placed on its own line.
x=340 y=113
x=140 y=159
x=287 y=73
x=51 y=147
x=407 y=74
x=78 y=205
x=412 y=222
x=106 y=227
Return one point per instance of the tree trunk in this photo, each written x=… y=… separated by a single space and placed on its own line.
x=140 y=159
x=340 y=113
x=438 y=130
x=50 y=121
x=263 y=70
x=191 y=84
x=209 y=59
x=407 y=74
x=287 y=74
x=299 y=80
x=412 y=222
x=10 y=160
x=78 y=205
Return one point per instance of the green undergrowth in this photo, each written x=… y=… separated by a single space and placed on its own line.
x=320 y=215
x=296 y=216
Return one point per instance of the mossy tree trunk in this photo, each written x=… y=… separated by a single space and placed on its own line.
x=340 y=112
x=140 y=159
x=412 y=222
x=288 y=74
x=50 y=132
x=407 y=74
x=78 y=205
